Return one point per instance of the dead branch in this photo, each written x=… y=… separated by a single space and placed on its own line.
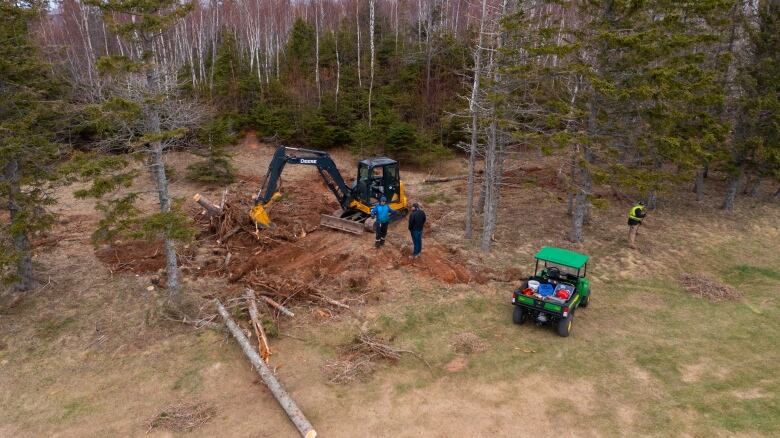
x=262 y=340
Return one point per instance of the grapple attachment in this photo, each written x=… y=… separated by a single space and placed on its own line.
x=259 y=214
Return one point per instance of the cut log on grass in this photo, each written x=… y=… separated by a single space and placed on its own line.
x=211 y=208
x=277 y=306
x=288 y=404
x=262 y=340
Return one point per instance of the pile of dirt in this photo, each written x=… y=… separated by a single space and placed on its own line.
x=182 y=417
x=138 y=256
x=704 y=287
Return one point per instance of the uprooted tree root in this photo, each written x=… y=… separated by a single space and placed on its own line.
x=359 y=358
x=704 y=287
x=182 y=417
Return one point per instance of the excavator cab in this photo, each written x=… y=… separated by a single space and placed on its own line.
x=377 y=177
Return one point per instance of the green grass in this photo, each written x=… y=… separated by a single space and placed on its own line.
x=437 y=197
x=679 y=363
x=51 y=328
x=74 y=409
x=745 y=273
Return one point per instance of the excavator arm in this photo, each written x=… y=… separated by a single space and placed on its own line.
x=286 y=155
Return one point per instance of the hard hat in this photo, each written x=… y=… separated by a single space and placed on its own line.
x=383 y=199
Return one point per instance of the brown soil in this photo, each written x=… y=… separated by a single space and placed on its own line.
x=135 y=256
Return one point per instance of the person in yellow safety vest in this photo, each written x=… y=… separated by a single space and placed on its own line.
x=635 y=216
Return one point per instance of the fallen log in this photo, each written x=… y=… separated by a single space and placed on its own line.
x=288 y=404
x=211 y=208
x=444 y=179
x=262 y=340
x=278 y=306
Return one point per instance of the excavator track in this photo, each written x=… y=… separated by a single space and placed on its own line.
x=342 y=224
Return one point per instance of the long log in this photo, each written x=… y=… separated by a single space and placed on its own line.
x=211 y=208
x=288 y=404
x=444 y=179
x=262 y=340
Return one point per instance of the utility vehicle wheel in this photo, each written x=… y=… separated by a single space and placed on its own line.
x=519 y=316
x=564 y=325
x=585 y=301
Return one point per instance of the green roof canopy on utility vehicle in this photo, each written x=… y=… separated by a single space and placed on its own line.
x=563 y=257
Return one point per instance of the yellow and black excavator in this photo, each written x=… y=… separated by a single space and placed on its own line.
x=376 y=177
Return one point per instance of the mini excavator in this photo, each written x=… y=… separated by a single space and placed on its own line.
x=376 y=177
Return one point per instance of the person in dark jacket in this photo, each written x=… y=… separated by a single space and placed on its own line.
x=416 y=224
x=382 y=213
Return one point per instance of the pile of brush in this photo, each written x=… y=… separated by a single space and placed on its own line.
x=704 y=287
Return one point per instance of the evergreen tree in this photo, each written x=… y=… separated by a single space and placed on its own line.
x=757 y=133
x=143 y=103
x=29 y=111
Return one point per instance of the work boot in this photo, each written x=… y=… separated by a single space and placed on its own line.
x=377 y=244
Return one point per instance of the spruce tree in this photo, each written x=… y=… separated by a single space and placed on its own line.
x=142 y=100
x=29 y=109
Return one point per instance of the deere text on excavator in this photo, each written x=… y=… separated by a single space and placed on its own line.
x=376 y=177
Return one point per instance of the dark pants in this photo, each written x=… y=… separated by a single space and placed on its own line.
x=417 y=241
x=381 y=232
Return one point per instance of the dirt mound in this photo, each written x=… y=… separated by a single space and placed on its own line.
x=704 y=287
x=137 y=256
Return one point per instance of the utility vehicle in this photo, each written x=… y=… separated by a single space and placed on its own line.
x=564 y=273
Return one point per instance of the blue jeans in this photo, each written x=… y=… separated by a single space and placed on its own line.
x=417 y=241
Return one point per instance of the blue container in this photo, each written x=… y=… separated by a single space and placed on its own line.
x=546 y=289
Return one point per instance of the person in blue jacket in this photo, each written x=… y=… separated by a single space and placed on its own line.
x=382 y=213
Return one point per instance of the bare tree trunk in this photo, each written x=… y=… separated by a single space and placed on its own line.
x=161 y=183
x=317 y=54
x=285 y=401
x=752 y=188
x=338 y=73
x=583 y=184
x=357 y=24
x=731 y=192
x=652 y=200
x=489 y=217
x=474 y=124
x=24 y=267
x=373 y=56
x=698 y=185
